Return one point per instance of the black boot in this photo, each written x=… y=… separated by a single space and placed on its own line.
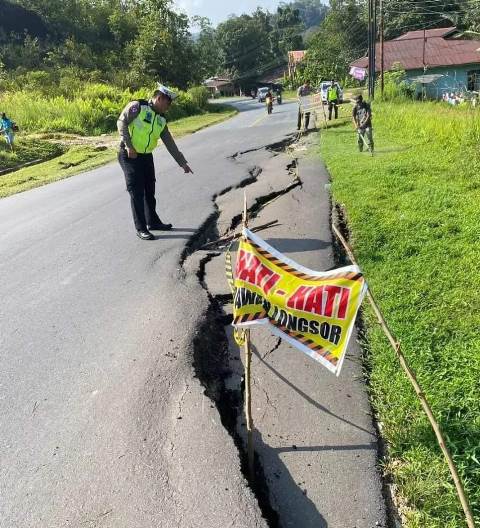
x=145 y=235
x=160 y=226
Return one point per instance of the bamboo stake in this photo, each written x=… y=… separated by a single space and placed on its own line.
x=248 y=405
x=235 y=236
x=418 y=390
x=248 y=378
x=324 y=114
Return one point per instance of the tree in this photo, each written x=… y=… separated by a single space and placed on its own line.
x=19 y=20
x=405 y=15
x=341 y=38
x=163 y=50
x=209 y=54
x=311 y=12
x=289 y=28
x=245 y=44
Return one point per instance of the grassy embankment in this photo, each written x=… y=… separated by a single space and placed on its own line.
x=289 y=95
x=414 y=216
x=77 y=133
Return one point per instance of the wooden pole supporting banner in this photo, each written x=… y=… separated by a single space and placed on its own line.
x=418 y=391
x=248 y=378
x=228 y=238
x=248 y=405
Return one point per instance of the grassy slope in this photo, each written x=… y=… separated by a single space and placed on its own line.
x=413 y=211
x=188 y=125
x=79 y=158
x=26 y=151
x=289 y=94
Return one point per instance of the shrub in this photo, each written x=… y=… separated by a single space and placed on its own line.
x=84 y=107
x=199 y=95
x=396 y=86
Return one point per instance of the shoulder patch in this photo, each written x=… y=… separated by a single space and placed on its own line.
x=134 y=108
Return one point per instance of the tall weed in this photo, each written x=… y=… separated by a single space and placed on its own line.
x=87 y=109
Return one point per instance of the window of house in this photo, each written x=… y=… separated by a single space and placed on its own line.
x=473 y=80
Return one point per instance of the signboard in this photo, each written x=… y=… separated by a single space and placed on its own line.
x=310 y=102
x=314 y=311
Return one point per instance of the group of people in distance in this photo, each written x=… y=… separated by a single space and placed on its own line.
x=361 y=113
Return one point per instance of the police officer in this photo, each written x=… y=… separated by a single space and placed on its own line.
x=141 y=124
x=332 y=99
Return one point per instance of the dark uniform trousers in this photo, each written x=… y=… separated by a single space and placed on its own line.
x=332 y=105
x=299 y=120
x=140 y=179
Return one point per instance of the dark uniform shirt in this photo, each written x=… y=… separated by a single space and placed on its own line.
x=362 y=114
x=303 y=91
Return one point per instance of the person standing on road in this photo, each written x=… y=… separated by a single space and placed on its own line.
x=303 y=91
x=269 y=101
x=332 y=99
x=140 y=125
x=7 y=127
x=362 y=121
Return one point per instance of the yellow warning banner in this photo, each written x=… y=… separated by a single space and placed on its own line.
x=314 y=311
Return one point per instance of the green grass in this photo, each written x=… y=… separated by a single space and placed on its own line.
x=91 y=110
x=77 y=159
x=26 y=151
x=216 y=113
x=82 y=158
x=413 y=210
x=289 y=94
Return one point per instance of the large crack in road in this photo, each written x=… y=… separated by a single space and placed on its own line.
x=211 y=343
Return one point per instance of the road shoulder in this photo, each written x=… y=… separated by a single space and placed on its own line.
x=314 y=435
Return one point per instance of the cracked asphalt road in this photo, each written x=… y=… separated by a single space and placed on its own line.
x=313 y=432
x=95 y=337
x=103 y=421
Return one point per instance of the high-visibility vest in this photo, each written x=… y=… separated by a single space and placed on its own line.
x=332 y=93
x=146 y=129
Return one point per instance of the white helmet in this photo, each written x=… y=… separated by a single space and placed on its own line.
x=166 y=91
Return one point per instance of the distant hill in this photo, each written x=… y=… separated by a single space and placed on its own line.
x=312 y=12
x=17 y=19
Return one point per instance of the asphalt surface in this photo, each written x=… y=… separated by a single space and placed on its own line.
x=103 y=422
x=95 y=340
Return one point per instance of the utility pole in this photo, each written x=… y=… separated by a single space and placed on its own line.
x=369 y=48
x=424 y=63
x=382 y=40
x=374 y=44
x=372 y=31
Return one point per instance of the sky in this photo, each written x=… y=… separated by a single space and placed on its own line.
x=218 y=10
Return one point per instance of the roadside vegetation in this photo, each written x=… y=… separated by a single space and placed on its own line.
x=65 y=155
x=84 y=108
x=27 y=151
x=413 y=212
x=69 y=123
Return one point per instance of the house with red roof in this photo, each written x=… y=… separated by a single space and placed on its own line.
x=438 y=60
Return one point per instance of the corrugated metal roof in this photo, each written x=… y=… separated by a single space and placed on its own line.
x=296 y=56
x=439 y=51
x=216 y=82
x=429 y=33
